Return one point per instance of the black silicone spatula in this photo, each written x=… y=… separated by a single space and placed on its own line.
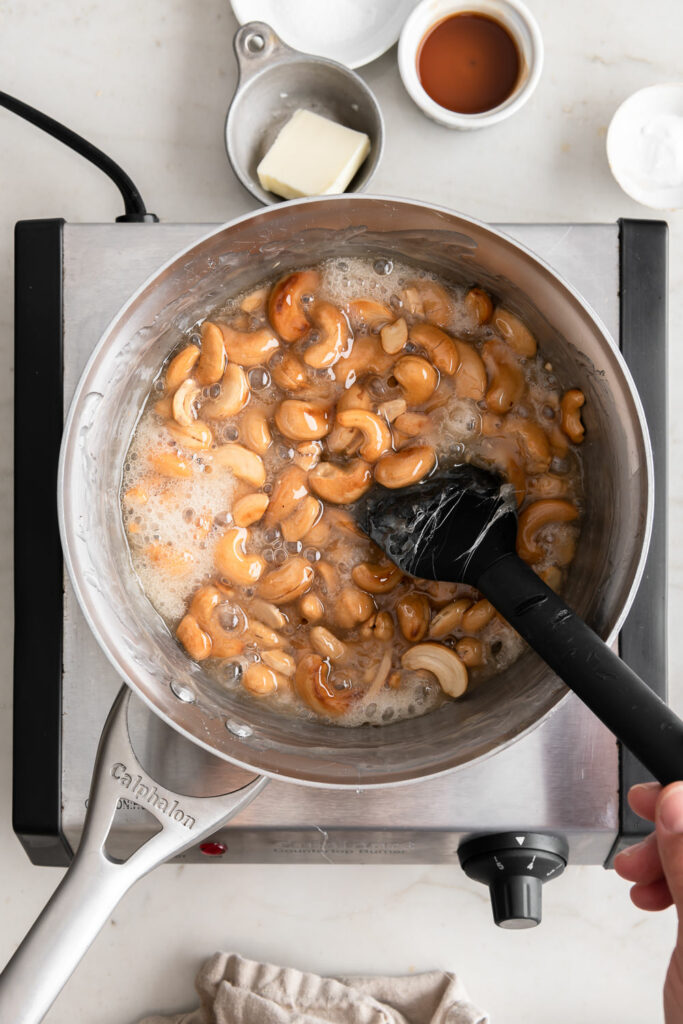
x=461 y=526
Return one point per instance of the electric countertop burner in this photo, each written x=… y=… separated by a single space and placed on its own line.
x=515 y=819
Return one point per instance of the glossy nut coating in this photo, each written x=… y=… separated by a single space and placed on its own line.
x=341 y=485
x=285 y=309
x=400 y=469
x=534 y=518
x=287 y=582
x=302 y=421
x=232 y=561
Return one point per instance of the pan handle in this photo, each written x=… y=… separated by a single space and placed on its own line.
x=95 y=882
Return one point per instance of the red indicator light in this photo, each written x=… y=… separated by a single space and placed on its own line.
x=213 y=849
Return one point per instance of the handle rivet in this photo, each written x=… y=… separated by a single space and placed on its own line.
x=182 y=692
x=254 y=42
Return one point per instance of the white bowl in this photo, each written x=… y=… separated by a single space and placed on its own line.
x=518 y=21
x=645 y=146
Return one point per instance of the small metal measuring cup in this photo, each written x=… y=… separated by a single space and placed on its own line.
x=274 y=81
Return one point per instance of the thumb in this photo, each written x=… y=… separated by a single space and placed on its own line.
x=669 y=825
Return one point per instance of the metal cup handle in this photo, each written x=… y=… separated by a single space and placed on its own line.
x=95 y=882
x=255 y=45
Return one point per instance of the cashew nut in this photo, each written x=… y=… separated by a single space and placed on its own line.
x=183 y=402
x=279 y=661
x=352 y=606
x=254 y=302
x=196 y=436
x=417 y=377
x=504 y=454
x=181 y=366
x=260 y=680
x=547 y=486
x=439 y=346
x=268 y=613
x=288 y=372
x=506 y=380
x=329 y=577
x=164 y=407
x=534 y=518
x=571 y=417
x=250 y=508
x=552 y=577
x=245 y=464
x=376 y=433
x=441 y=662
x=413 y=612
x=449 y=618
x=233 y=397
x=356 y=396
x=379 y=627
x=288 y=490
x=232 y=560
x=366 y=356
x=470 y=651
x=169 y=559
x=170 y=463
x=336 y=336
x=196 y=642
x=376 y=578
x=285 y=310
x=311 y=607
x=392 y=409
x=369 y=314
x=394 y=336
x=311 y=682
x=263 y=634
x=302 y=519
x=287 y=582
x=477 y=616
x=302 y=421
x=470 y=377
x=530 y=438
x=478 y=305
x=341 y=485
x=211 y=364
x=343 y=440
x=429 y=299
x=400 y=469
x=249 y=348
x=326 y=643
x=308 y=454
x=517 y=336
x=255 y=432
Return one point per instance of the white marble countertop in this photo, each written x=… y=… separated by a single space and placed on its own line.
x=150 y=83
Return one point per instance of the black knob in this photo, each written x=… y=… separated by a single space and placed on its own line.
x=514 y=865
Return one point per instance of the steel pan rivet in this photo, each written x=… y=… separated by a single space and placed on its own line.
x=238 y=729
x=182 y=692
x=254 y=42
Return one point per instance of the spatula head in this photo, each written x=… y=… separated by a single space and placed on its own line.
x=450 y=527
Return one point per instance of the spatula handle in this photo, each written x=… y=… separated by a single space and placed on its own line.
x=619 y=698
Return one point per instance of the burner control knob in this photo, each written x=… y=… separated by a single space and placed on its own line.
x=514 y=865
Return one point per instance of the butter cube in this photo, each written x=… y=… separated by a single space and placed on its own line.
x=312 y=156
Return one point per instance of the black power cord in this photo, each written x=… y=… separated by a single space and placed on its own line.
x=136 y=211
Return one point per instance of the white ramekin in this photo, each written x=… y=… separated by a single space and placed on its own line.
x=513 y=15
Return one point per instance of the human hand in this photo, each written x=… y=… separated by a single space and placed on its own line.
x=656 y=867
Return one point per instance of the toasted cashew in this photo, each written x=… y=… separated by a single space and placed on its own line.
x=249 y=509
x=394 y=336
x=534 y=518
x=470 y=377
x=341 y=485
x=287 y=582
x=302 y=519
x=335 y=337
x=413 y=612
x=181 y=367
x=506 y=384
x=183 y=403
x=366 y=356
x=197 y=436
x=255 y=432
x=232 y=560
x=285 y=310
x=470 y=651
x=249 y=348
x=233 y=396
x=529 y=436
x=311 y=681
x=392 y=409
x=417 y=377
x=441 y=662
x=400 y=469
x=412 y=423
x=204 y=602
x=449 y=618
x=439 y=346
x=245 y=464
x=352 y=606
x=211 y=364
x=289 y=372
x=326 y=643
x=263 y=634
x=289 y=489
x=477 y=616
x=369 y=314
x=547 y=486
x=343 y=440
x=379 y=627
x=516 y=335
x=196 y=642
x=429 y=299
x=478 y=305
x=311 y=607
x=571 y=417
x=307 y=454
x=170 y=463
x=268 y=613
x=260 y=680
x=255 y=301
x=356 y=396
x=376 y=433
x=279 y=661
x=376 y=578
x=302 y=421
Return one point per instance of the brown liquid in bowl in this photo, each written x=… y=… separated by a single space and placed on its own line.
x=468 y=63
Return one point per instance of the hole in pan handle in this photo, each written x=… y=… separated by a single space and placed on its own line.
x=95 y=883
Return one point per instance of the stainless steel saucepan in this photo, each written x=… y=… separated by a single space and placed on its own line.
x=602 y=579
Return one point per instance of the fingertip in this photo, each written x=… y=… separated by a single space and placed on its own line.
x=642 y=799
x=653 y=897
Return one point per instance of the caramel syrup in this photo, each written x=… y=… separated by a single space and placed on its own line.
x=468 y=63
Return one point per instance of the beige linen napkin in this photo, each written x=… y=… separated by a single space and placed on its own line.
x=233 y=990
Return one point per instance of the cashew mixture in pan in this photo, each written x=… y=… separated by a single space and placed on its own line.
x=273 y=416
